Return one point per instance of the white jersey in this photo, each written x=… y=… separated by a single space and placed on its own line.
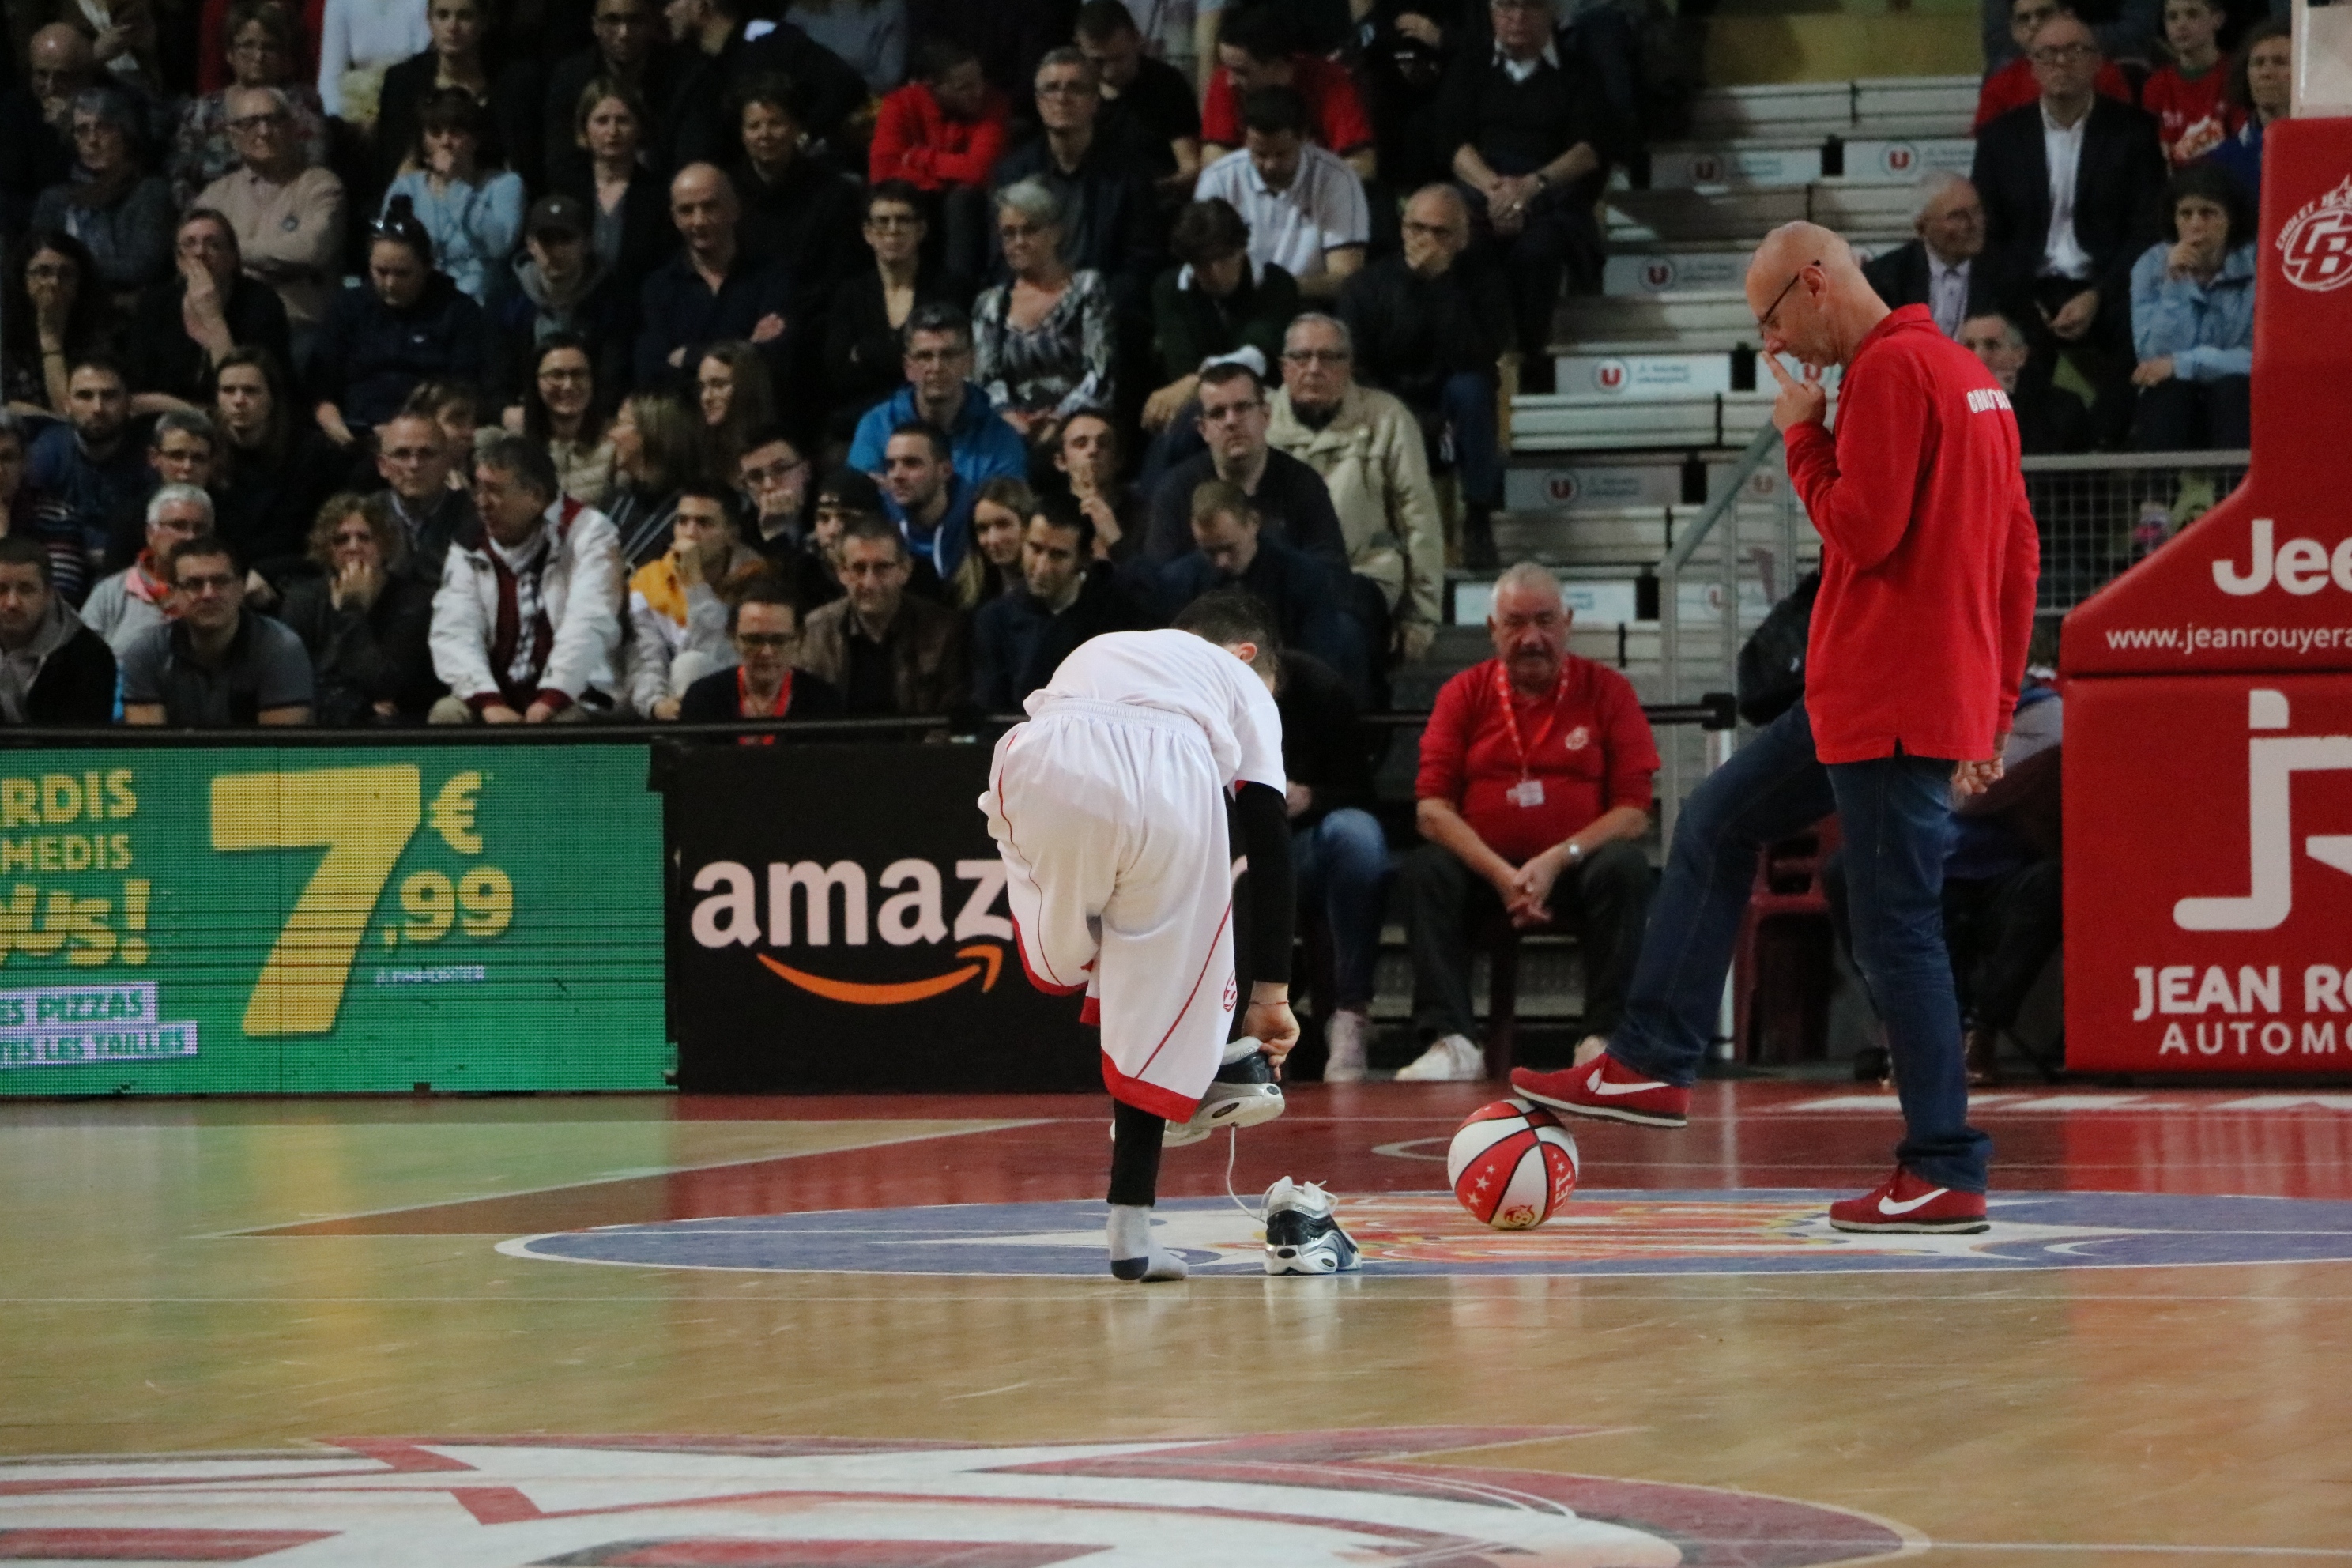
x=1177 y=672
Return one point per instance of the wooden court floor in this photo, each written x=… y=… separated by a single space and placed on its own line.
x=680 y=1331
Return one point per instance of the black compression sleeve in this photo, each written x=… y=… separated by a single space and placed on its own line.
x=1264 y=820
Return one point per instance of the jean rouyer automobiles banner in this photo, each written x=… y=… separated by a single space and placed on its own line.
x=304 y=920
x=838 y=923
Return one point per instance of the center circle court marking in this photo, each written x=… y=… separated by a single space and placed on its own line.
x=1753 y=1231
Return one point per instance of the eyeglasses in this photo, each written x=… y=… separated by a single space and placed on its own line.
x=749 y=641
x=1316 y=356
x=2062 y=54
x=774 y=473
x=1764 y=320
x=1020 y=230
x=272 y=120
x=407 y=454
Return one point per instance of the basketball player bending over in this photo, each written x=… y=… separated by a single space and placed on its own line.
x=1917 y=646
x=1110 y=807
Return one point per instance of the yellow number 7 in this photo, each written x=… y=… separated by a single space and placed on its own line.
x=365 y=816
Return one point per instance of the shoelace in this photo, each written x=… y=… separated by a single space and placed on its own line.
x=1233 y=1152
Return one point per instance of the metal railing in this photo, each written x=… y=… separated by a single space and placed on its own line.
x=2100 y=512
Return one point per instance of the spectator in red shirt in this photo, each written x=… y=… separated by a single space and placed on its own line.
x=1253 y=50
x=941 y=133
x=2193 y=113
x=1534 y=792
x=2013 y=86
x=1914 y=659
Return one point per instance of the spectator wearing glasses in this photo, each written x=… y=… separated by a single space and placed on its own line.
x=2010 y=85
x=561 y=412
x=53 y=668
x=1945 y=268
x=939 y=363
x=111 y=204
x=765 y=625
x=525 y=623
x=364 y=621
x=1432 y=325
x=2193 y=319
x=181 y=448
x=1366 y=445
x=473 y=215
x=289 y=216
x=218 y=664
x=405 y=324
x=415 y=458
x=1098 y=177
x=865 y=344
x=188 y=324
x=887 y=651
x=55 y=311
x=778 y=478
x=125 y=606
x=1522 y=120
x=559 y=288
x=261 y=53
x=678 y=603
x=712 y=289
x=1214 y=302
x=1286 y=497
x=2073 y=191
x=1043 y=341
x=1305 y=209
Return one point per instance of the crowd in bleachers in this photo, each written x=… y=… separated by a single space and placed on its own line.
x=495 y=357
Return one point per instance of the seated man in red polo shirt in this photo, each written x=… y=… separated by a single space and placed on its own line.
x=1255 y=50
x=1533 y=795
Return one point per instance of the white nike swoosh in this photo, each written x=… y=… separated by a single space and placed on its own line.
x=1888 y=1206
x=1595 y=1084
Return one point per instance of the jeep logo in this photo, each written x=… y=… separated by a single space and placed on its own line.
x=2300 y=566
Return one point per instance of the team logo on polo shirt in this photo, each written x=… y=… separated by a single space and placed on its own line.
x=2315 y=245
x=1576 y=740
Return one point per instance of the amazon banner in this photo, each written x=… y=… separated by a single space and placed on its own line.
x=838 y=925
x=302 y=921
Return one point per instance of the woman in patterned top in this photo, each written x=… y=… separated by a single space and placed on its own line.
x=1042 y=341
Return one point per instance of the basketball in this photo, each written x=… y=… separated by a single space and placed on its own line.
x=1511 y=1164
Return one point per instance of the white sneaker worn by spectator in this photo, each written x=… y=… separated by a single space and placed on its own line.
x=1453 y=1060
x=1344 y=1035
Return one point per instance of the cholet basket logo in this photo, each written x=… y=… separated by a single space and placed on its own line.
x=2315 y=245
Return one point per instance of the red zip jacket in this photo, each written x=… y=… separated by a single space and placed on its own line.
x=1928 y=552
x=915 y=139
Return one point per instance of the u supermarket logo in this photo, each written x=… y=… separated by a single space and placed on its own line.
x=1609 y=375
x=912 y=916
x=1899 y=158
x=1659 y=275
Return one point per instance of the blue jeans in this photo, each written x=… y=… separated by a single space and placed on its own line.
x=1342 y=866
x=1467 y=401
x=1896 y=816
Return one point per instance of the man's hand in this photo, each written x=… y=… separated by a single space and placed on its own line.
x=1270 y=1021
x=1420 y=29
x=1800 y=403
x=539 y=713
x=1163 y=406
x=667 y=709
x=768 y=329
x=1297 y=797
x=499 y=713
x=2152 y=371
x=1975 y=778
x=687 y=564
x=331 y=420
x=1414 y=639
x=1535 y=882
x=1107 y=532
x=2075 y=317
x=258 y=591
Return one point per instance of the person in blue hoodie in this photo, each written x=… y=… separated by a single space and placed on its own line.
x=930 y=501
x=939 y=391
x=2192 y=296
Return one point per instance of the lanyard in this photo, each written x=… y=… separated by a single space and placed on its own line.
x=782 y=706
x=1511 y=715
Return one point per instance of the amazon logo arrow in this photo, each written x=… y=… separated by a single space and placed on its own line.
x=988 y=960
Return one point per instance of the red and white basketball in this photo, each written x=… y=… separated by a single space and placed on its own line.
x=1511 y=1164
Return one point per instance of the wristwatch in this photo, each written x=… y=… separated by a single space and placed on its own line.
x=1575 y=853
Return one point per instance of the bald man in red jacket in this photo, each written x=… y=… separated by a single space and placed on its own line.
x=1913 y=663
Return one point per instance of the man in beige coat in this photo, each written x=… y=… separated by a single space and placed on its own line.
x=1367 y=447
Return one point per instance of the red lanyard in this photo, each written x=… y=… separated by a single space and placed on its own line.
x=1511 y=714
x=782 y=706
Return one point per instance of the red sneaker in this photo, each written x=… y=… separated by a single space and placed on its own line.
x=1606 y=1087
x=1905 y=1203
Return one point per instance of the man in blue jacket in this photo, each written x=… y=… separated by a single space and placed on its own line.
x=939 y=391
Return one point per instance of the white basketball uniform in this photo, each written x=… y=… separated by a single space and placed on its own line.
x=1108 y=806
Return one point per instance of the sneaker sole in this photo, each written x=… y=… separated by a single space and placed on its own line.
x=1254 y=1112
x=1305 y=1261
x=1913 y=1226
x=1604 y=1112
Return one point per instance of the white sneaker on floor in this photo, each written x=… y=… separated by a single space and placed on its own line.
x=1345 y=1034
x=1303 y=1235
x=1453 y=1060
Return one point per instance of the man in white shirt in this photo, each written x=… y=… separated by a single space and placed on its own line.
x=1109 y=808
x=1305 y=207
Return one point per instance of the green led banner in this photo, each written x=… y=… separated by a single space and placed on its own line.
x=303 y=921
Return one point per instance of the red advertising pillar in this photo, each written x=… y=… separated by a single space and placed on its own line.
x=2209 y=709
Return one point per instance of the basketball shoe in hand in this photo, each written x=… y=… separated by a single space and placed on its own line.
x=1243 y=1094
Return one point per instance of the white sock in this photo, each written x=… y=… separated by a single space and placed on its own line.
x=1134 y=1255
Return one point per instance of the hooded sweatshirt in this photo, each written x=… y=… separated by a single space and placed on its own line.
x=1928 y=552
